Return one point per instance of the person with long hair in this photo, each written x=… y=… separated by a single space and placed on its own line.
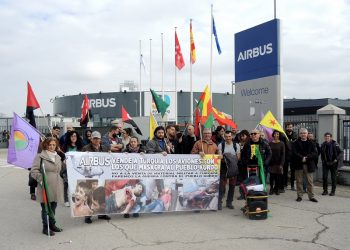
x=126 y=135
x=51 y=162
x=277 y=162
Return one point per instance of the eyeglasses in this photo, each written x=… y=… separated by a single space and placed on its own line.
x=253 y=133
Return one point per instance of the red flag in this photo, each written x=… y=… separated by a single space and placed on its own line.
x=197 y=122
x=32 y=104
x=179 y=60
x=223 y=119
x=85 y=113
x=128 y=119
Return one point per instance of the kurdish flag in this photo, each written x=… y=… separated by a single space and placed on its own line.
x=23 y=144
x=269 y=121
x=204 y=105
x=223 y=118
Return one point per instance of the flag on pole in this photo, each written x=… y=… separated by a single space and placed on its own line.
x=32 y=104
x=197 y=122
x=204 y=105
x=223 y=119
x=160 y=104
x=152 y=125
x=128 y=119
x=179 y=60
x=269 y=121
x=85 y=113
x=193 y=48
x=210 y=121
x=23 y=144
x=216 y=36
x=46 y=195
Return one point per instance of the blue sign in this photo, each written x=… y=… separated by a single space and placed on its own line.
x=257 y=52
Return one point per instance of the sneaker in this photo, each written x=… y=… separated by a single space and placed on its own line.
x=126 y=216
x=88 y=220
x=313 y=200
x=66 y=204
x=325 y=193
x=136 y=215
x=299 y=199
x=332 y=193
x=104 y=217
x=33 y=197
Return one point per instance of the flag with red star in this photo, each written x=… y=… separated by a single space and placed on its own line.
x=269 y=121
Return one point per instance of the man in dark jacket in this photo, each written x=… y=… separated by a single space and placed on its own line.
x=288 y=146
x=304 y=156
x=158 y=143
x=187 y=141
x=264 y=149
x=331 y=155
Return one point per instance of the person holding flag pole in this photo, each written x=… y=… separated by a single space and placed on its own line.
x=45 y=170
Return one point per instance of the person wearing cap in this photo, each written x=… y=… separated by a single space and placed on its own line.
x=264 y=148
x=112 y=141
x=95 y=146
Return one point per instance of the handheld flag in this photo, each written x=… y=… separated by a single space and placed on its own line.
x=256 y=152
x=216 y=36
x=160 y=104
x=152 y=125
x=204 y=105
x=269 y=121
x=193 y=47
x=23 y=144
x=128 y=119
x=85 y=113
x=223 y=119
x=32 y=104
x=179 y=60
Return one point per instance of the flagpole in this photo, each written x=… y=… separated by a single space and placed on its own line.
x=150 y=63
x=211 y=51
x=175 y=80
x=162 y=67
x=140 y=79
x=191 y=90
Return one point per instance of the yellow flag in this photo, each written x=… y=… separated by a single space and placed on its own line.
x=269 y=121
x=152 y=125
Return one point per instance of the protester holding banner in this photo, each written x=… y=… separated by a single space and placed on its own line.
x=95 y=146
x=73 y=143
x=205 y=146
x=171 y=139
x=158 y=143
x=46 y=168
x=112 y=141
x=134 y=146
x=126 y=133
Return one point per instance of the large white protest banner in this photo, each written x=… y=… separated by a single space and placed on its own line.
x=106 y=183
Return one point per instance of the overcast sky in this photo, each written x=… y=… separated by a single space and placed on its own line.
x=67 y=47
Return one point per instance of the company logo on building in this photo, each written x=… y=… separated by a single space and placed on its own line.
x=102 y=103
x=255 y=52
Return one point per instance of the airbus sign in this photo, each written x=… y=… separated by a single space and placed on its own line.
x=256 y=52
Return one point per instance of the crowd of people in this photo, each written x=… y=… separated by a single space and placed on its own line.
x=285 y=153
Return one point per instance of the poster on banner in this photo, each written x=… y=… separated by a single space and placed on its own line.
x=105 y=183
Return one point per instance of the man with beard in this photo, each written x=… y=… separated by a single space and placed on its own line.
x=158 y=143
x=292 y=136
x=171 y=139
x=112 y=141
x=331 y=155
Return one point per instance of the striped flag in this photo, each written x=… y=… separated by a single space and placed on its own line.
x=193 y=47
x=206 y=108
x=216 y=36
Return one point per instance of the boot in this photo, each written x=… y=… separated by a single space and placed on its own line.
x=220 y=206
x=229 y=205
x=54 y=228
x=45 y=231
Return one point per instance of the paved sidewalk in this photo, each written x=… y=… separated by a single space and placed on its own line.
x=291 y=225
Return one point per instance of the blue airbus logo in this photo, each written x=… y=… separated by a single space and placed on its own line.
x=255 y=52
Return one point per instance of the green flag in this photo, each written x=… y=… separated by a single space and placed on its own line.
x=160 y=104
x=261 y=166
x=210 y=121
